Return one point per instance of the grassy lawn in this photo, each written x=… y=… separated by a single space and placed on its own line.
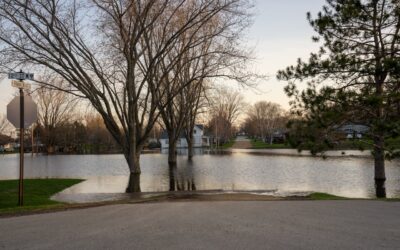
x=257 y=144
x=228 y=144
x=37 y=193
x=325 y=196
x=7 y=153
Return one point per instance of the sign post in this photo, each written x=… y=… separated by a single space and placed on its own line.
x=19 y=121
x=21 y=148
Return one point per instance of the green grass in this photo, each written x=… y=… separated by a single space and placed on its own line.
x=257 y=144
x=365 y=144
x=325 y=196
x=37 y=193
x=228 y=144
x=7 y=152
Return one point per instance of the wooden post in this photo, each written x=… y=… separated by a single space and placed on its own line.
x=21 y=149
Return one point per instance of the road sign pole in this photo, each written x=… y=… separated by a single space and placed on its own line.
x=12 y=109
x=21 y=148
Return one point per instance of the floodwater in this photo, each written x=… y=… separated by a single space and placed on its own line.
x=278 y=172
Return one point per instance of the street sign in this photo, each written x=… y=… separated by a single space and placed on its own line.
x=20 y=85
x=30 y=111
x=20 y=76
x=21 y=112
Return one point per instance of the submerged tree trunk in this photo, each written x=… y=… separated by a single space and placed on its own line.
x=172 y=168
x=189 y=139
x=380 y=177
x=379 y=141
x=189 y=131
x=133 y=159
x=191 y=185
x=172 y=149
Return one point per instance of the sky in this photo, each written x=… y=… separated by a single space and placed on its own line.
x=279 y=35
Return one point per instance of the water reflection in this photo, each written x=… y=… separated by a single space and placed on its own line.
x=181 y=179
x=236 y=171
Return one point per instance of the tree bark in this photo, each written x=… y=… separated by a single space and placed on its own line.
x=172 y=176
x=172 y=154
x=190 y=147
x=379 y=157
x=133 y=159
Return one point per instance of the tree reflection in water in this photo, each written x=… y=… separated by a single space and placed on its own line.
x=181 y=179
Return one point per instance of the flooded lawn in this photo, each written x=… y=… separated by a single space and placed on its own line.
x=263 y=171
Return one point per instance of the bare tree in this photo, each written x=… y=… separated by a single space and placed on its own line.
x=196 y=103
x=112 y=58
x=226 y=105
x=212 y=53
x=55 y=109
x=266 y=117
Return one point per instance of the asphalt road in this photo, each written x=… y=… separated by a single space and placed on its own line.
x=211 y=225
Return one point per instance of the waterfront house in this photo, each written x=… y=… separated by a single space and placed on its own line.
x=199 y=140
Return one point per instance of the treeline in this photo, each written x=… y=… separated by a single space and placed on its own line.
x=86 y=136
x=138 y=63
x=267 y=122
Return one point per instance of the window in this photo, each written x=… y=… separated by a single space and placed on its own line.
x=167 y=141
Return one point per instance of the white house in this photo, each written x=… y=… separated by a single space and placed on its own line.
x=199 y=140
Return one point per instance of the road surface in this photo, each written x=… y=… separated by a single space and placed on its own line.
x=211 y=225
x=242 y=142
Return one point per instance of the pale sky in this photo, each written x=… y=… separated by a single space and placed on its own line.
x=280 y=34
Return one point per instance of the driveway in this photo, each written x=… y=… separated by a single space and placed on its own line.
x=211 y=225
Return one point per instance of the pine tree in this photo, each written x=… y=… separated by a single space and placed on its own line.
x=354 y=78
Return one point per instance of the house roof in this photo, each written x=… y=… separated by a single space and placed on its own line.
x=164 y=135
x=359 y=128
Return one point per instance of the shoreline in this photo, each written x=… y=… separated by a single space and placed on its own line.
x=227 y=151
x=188 y=196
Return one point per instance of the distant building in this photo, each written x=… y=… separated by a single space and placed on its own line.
x=354 y=130
x=279 y=136
x=10 y=147
x=199 y=140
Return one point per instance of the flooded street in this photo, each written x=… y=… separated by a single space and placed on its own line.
x=274 y=172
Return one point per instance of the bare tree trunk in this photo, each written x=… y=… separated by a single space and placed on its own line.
x=133 y=159
x=379 y=143
x=190 y=147
x=189 y=139
x=379 y=157
x=190 y=176
x=172 y=154
x=172 y=176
